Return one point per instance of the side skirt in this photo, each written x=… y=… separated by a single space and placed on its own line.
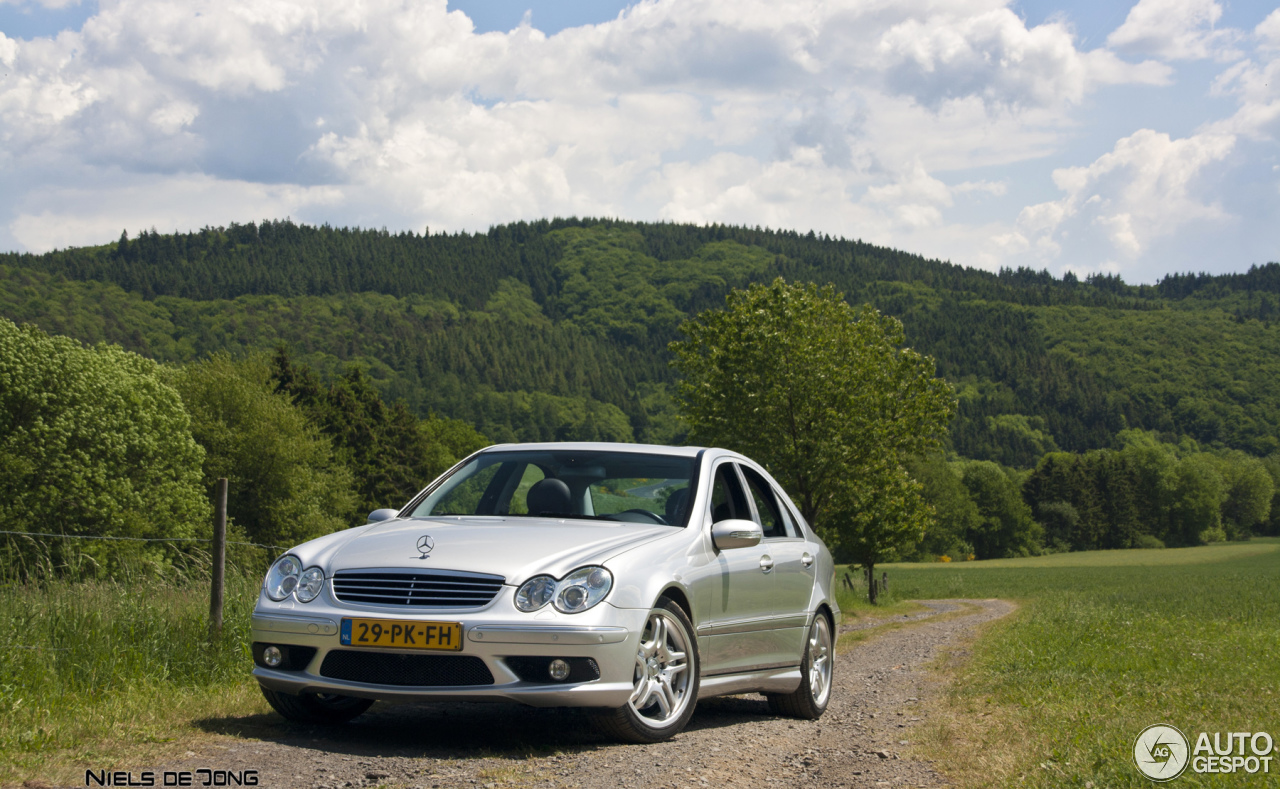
x=773 y=680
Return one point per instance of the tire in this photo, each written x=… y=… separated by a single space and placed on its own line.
x=809 y=701
x=666 y=678
x=319 y=708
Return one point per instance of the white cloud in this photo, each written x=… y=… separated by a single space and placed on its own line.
x=1175 y=29
x=862 y=118
x=54 y=4
x=1268 y=30
x=8 y=50
x=1140 y=191
x=74 y=216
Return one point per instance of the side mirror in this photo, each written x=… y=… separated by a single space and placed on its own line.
x=378 y=516
x=735 y=533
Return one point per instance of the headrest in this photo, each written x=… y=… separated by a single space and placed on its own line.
x=548 y=497
x=675 y=505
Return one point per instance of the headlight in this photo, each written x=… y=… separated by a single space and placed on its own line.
x=535 y=593
x=582 y=589
x=579 y=590
x=282 y=578
x=310 y=585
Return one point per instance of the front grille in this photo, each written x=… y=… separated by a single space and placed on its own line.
x=427 y=671
x=418 y=588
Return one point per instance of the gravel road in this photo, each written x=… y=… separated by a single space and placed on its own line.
x=730 y=741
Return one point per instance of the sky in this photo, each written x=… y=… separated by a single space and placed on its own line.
x=1087 y=136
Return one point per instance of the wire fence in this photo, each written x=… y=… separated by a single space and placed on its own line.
x=38 y=557
x=138 y=539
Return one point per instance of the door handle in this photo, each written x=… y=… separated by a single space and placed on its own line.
x=806 y=560
x=766 y=563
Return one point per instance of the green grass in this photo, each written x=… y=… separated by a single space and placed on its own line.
x=106 y=675
x=1104 y=644
x=91 y=672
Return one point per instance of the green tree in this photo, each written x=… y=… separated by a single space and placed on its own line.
x=827 y=398
x=391 y=455
x=1198 y=494
x=284 y=485
x=1007 y=527
x=92 y=442
x=1272 y=524
x=1060 y=522
x=955 y=515
x=1249 y=490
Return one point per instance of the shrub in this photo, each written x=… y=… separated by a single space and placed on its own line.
x=1147 y=541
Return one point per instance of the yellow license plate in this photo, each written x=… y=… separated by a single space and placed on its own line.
x=401 y=634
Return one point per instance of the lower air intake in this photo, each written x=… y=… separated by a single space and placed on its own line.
x=424 y=671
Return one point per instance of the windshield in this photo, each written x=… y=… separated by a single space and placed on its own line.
x=613 y=486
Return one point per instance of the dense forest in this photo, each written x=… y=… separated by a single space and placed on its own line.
x=559 y=329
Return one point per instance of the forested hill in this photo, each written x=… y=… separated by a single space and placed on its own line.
x=558 y=329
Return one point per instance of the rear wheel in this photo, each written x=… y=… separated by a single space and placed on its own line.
x=665 y=680
x=809 y=700
x=322 y=708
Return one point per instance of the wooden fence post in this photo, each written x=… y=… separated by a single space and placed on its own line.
x=219 y=557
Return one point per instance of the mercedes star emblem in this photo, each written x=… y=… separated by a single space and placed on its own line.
x=425 y=546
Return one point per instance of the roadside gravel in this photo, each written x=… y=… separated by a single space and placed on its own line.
x=730 y=741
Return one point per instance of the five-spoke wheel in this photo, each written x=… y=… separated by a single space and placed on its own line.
x=665 y=679
x=810 y=699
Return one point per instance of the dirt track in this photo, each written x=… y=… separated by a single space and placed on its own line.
x=730 y=742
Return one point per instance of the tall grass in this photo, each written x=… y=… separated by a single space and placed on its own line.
x=86 y=660
x=1107 y=643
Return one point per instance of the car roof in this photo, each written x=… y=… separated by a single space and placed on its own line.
x=599 y=446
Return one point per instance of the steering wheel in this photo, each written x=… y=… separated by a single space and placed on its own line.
x=656 y=517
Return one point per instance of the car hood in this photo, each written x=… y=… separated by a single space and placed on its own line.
x=515 y=548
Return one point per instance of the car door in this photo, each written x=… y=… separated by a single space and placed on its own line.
x=794 y=561
x=740 y=632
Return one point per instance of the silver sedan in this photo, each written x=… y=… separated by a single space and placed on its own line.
x=630 y=579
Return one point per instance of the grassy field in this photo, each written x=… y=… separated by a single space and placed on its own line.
x=105 y=674
x=1105 y=644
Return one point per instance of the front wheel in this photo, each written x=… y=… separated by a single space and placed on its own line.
x=809 y=700
x=322 y=708
x=665 y=680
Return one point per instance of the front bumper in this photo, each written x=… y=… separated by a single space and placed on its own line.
x=608 y=635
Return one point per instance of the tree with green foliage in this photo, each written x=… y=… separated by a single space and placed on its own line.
x=390 y=454
x=1007 y=528
x=825 y=397
x=284 y=484
x=1195 y=507
x=92 y=442
x=1271 y=526
x=955 y=518
x=1249 y=490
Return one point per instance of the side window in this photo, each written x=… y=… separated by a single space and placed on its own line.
x=770 y=516
x=794 y=519
x=727 y=499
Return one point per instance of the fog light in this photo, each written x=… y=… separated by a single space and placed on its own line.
x=272 y=657
x=559 y=670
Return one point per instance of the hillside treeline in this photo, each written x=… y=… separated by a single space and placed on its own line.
x=1145 y=493
x=396 y=352
x=558 y=328
x=97 y=441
